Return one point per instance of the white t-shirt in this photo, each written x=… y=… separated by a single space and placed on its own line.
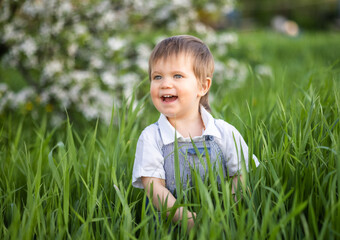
x=149 y=160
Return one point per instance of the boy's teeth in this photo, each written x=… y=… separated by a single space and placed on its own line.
x=169 y=98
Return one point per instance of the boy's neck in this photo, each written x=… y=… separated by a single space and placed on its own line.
x=188 y=127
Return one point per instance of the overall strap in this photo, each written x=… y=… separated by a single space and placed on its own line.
x=160 y=137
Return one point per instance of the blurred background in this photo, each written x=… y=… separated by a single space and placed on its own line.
x=307 y=14
x=86 y=57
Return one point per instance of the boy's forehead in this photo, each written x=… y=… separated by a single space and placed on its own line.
x=172 y=57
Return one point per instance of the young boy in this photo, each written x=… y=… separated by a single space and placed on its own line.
x=180 y=71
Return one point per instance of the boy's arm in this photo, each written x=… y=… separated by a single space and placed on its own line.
x=161 y=192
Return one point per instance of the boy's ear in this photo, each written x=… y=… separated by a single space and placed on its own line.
x=205 y=86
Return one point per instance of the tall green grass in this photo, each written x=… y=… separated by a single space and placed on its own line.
x=66 y=182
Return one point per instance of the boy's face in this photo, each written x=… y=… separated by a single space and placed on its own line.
x=175 y=90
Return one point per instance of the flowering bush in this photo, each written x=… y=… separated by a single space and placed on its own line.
x=84 y=56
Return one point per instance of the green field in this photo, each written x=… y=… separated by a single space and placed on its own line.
x=58 y=183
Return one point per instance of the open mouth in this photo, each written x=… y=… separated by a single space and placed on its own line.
x=169 y=98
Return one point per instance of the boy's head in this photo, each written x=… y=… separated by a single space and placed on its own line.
x=191 y=47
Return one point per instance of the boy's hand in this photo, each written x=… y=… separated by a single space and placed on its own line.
x=236 y=186
x=161 y=195
x=191 y=222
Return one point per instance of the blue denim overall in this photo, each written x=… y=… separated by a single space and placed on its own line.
x=189 y=161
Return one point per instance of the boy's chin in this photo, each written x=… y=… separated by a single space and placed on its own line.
x=169 y=115
x=167 y=112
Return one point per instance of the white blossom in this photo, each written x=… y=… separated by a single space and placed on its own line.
x=80 y=52
x=52 y=67
x=142 y=63
x=75 y=92
x=182 y=3
x=236 y=72
x=107 y=19
x=115 y=43
x=164 y=12
x=64 y=79
x=126 y=64
x=129 y=80
x=9 y=98
x=104 y=99
x=21 y=97
x=24 y=94
x=57 y=119
x=233 y=63
x=64 y=8
x=80 y=76
x=72 y=49
x=103 y=102
x=3 y=92
x=45 y=30
x=80 y=29
x=32 y=8
x=222 y=49
x=60 y=94
x=264 y=70
x=57 y=28
x=29 y=47
x=11 y=34
x=106 y=115
x=143 y=6
x=109 y=78
x=143 y=52
x=228 y=38
x=103 y=6
x=90 y=112
x=3 y=88
x=242 y=73
x=2 y=104
x=220 y=68
x=96 y=62
x=45 y=96
x=5 y=11
x=210 y=7
x=201 y=28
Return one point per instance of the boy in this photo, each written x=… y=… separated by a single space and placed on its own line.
x=180 y=71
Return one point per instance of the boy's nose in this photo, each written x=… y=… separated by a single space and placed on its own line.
x=167 y=83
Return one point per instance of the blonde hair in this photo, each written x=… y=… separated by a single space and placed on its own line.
x=203 y=60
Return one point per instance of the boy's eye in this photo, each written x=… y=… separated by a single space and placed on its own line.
x=178 y=76
x=157 y=77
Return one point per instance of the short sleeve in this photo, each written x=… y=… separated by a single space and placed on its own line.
x=148 y=158
x=237 y=151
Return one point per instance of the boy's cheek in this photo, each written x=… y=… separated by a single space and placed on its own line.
x=154 y=95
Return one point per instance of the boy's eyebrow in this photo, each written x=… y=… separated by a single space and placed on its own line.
x=173 y=72
x=155 y=72
x=178 y=72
